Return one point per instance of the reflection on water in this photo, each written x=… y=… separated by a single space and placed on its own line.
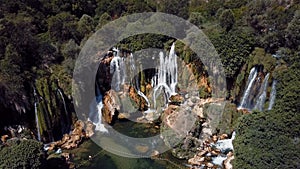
x=90 y=156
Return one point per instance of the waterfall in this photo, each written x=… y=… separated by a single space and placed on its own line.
x=37 y=123
x=118 y=70
x=272 y=95
x=132 y=65
x=163 y=82
x=245 y=100
x=144 y=96
x=99 y=125
x=66 y=130
x=132 y=73
x=263 y=95
x=95 y=115
x=166 y=75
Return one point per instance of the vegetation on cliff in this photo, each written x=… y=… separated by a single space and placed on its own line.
x=271 y=139
x=40 y=41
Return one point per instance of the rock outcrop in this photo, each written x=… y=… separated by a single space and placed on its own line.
x=80 y=132
x=211 y=154
x=111 y=106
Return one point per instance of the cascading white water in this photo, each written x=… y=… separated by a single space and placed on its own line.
x=118 y=70
x=99 y=125
x=144 y=96
x=272 y=95
x=37 y=123
x=95 y=115
x=166 y=75
x=66 y=111
x=245 y=99
x=165 y=79
x=263 y=95
x=132 y=73
x=224 y=146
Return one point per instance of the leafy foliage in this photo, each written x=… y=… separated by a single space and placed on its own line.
x=22 y=154
x=227 y=19
x=234 y=48
x=271 y=139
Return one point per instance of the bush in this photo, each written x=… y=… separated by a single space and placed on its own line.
x=20 y=153
x=234 y=48
x=196 y=18
x=227 y=19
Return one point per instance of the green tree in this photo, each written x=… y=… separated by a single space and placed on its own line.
x=293 y=31
x=234 y=48
x=196 y=18
x=62 y=27
x=86 y=25
x=104 y=19
x=227 y=19
x=175 y=7
x=21 y=153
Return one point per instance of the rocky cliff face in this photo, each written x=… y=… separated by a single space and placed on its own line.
x=53 y=107
x=14 y=107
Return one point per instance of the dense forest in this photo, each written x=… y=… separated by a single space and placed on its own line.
x=41 y=39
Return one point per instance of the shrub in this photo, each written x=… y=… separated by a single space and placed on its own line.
x=227 y=19
x=21 y=153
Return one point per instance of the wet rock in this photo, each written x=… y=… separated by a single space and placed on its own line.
x=215 y=138
x=198 y=109
x=137 y=99
x=176 y=99
x=72 y=140
x=227 y=162
x=123 y=115
x=210 y=165
x=110 y=106
x=170 y=109
x=197 y=160
x=202 y=153
x=154 y=153
x=89 y=130
x=223 y=137
x=4 y=138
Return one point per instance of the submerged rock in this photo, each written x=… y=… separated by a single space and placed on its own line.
x=142 y=148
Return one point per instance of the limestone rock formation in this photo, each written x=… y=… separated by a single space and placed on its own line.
x=111 y=106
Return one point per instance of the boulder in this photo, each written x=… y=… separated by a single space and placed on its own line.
x=154 y=153
x=223 y=137
x=176 y=99
x=210 y=165
x=196 y=160
x=227 y=162
x=89 y=130
x=4 y=138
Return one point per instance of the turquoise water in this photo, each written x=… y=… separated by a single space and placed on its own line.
x=102 y=159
